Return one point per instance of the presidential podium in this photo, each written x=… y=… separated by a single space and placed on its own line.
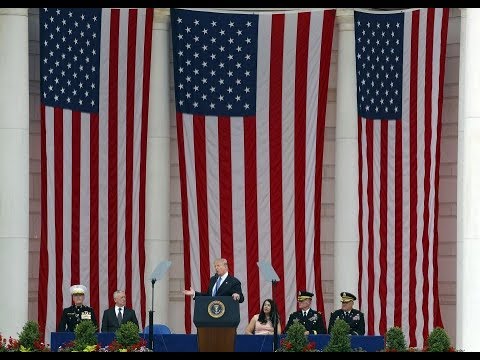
x=216 y=319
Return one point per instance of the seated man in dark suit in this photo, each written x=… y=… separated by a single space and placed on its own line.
x=119 y=314
x=351 y=316
x=311 y=319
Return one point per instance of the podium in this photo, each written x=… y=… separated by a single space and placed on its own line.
x=216 y=319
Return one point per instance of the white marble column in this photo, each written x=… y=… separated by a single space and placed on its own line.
x=468 y=184
x=14 y=170
x=157 y=235
x=346 y=163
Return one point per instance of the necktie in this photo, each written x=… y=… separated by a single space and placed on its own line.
x=217 y=285
x=304 y=314
x=119 y=316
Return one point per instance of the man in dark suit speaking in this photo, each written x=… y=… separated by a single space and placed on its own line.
x=119 y=314
x=221 y=284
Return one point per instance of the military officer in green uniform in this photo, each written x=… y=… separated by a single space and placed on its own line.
x=312 y=320
x=74 y=314
x=351 y=316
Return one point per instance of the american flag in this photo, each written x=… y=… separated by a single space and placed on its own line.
x=95 y=77
x=400 y=61
x=251 y=95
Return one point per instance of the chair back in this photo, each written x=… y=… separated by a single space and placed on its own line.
x=157 y=329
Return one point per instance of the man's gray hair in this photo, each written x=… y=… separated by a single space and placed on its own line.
x=116 y=292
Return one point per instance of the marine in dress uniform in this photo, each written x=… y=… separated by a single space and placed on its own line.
x=74 y=314
x=311 y=319
x=351 y=316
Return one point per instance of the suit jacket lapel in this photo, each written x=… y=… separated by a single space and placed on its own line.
x=225 y=282
x=212 y=285
x=221 y=287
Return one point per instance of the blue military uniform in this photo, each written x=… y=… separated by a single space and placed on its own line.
x=74 y=314
x=354 y=318
x=313 y=320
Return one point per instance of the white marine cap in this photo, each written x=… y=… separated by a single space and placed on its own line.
x=78 y=290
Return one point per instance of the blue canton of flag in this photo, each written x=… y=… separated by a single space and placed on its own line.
x=215 y=62
x=379 y=57
x=70 y=58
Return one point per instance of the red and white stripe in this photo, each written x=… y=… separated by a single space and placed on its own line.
x=398 y=191
x=251 y=186
x=93 y=180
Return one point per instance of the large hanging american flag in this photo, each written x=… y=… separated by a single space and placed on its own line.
x=95 y=78
x=400 y=74
x=251 y=95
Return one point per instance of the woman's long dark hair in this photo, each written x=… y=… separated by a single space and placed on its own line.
x=262 y=317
